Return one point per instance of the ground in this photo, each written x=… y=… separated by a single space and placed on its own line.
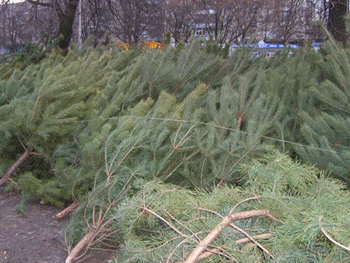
x=37 y=236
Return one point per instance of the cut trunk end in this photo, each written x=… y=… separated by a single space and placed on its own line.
x=69 y=209
x=15 y=166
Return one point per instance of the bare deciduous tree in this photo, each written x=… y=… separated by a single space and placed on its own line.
x=131 y=18
x=16 y=26
x=65 y=11
x=96 y=18
x=179 y=18
x=245 y=18
x=287 y=19
x=231 y=20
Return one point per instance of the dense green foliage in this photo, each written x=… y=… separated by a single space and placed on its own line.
x=114 y=128
x=298 y=195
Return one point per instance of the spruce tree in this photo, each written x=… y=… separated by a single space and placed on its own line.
x=325 y=130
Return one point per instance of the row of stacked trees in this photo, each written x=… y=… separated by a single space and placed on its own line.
x=133 y=21
x=117 y=131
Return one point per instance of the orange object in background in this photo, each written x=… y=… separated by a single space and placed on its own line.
x=154 y=44
x=120 y=44
x=148 y=44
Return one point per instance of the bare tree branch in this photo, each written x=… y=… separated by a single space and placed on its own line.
x=37 y=2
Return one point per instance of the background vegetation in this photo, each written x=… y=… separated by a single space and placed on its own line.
x=134 y=21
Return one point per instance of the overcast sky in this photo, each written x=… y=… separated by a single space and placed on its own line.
x=12 y=1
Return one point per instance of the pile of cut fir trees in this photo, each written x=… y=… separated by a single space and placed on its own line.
x=184 y=154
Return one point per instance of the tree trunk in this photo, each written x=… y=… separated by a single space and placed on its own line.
x=82 y=243
x=337 y=10
x=15 y=166
x=66 y=20
x=67 y=210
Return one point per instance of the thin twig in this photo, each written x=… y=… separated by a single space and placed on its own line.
x=243 y=201
x=331 y=239
x=165 y=221
x=253 y=240
x=247 y=240
x=174 y=250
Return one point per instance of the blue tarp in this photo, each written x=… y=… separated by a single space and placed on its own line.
x=264 y=45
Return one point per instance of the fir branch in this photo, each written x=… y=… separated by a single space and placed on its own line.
x=184 y=139
x=100 y=220
x=321 y=25
x=99 y=225
x=252 y=240
x=227 y=220
x=233 y=166
x=243 y=201
x=184 y=226
x=109 y=170
x=149 y=211
x=216 y=251
x=249 y=239
x=331 y=239
x=174 y=250
x=222 y=128
x=179 y=165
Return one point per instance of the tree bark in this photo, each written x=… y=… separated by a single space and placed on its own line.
x=67 y=210
x=337 y=10
x=66 y=20
x=82 y=243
